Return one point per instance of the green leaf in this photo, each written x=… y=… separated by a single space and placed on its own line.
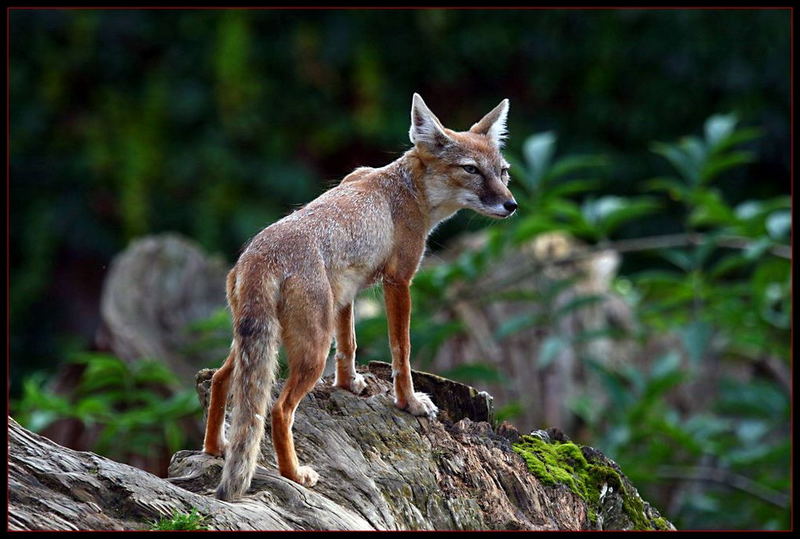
x=538 y=150
x=634 y=208
x=548 y=350
x=178 y=405
x=779 y=224
x=620 y=395
x=585 y=407
x=728 y=264
x=682 y=258
x=704 y=250
x=570 y=187
x=716 y=165
x=710 y=209
x=153 y=372
x=660 y=277
x=578 y=302
x=696 y=337
x=41 y=419
x=719 y=127
x=608 y=212
x=677 y=159
x=676 y=433
x=36 y=398
x=666 y=364
x=749 y=209
x=564 y=208
x=695 y=151
x=573 y=163
x=737 y=137
x=181 y=522
x=675 y=189
x=516 y=324
x=590 y=335
x=93 y=409
x=534 y=225
x=772 y=284
x=756 y=250
x=658 y=386
x=753 y=398
x=596 y=210
x=102 y=370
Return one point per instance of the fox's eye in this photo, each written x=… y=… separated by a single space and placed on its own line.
x=471 y=169
x=504 y=171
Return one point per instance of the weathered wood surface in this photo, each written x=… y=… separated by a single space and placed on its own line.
x=54 y=488
x=380 y=468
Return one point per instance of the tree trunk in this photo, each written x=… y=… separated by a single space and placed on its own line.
x=380 y=468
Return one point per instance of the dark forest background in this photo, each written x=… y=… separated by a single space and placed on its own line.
x=215 y=123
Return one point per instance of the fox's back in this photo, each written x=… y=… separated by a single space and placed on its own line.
x=346 y=234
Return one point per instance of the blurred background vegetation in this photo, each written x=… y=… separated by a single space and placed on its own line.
x=625 y=125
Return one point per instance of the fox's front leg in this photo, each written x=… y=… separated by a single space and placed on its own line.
x=398 y=312
x=346 y=375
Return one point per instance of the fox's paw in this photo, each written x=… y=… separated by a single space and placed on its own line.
x=420 y=404
x=306 y=476
x=356 y=384
x=217 y=449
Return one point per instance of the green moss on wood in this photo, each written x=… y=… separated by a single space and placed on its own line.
x=563 y=463
x=661 y=524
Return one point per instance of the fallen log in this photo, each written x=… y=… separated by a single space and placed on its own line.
x=380 y=468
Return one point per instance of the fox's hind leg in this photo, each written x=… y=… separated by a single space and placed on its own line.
x=346 y=375
x=306 y=363
x=214 y=443
x=307 y=332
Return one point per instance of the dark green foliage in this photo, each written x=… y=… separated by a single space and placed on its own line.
x=214 y=123
x=136 y=407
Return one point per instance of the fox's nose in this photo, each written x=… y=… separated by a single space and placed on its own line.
x=510 y=205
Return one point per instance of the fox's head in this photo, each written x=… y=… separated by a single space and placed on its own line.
x=464 y=169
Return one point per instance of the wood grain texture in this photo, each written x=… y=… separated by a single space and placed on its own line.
x=380 y=468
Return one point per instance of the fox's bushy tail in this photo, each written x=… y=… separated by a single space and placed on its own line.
x=256 y=338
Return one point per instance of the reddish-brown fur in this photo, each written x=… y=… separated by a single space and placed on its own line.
x=296 y=281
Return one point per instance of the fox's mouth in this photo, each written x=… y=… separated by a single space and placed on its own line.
x=496 y=211
x=497 y=214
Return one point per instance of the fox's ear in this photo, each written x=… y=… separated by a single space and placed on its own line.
x=493 y=124
x=426 y=128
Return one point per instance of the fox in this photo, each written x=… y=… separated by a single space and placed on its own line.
x=295 y=282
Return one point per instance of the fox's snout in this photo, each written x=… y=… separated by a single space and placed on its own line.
x=508 y=207
x=499 y=209
x=496 y=200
